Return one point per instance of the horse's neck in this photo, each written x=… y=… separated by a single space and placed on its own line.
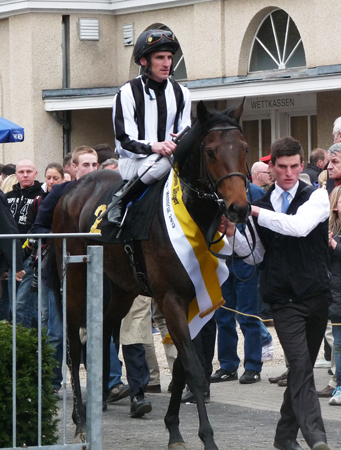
x=201 y=209
x=202 y=212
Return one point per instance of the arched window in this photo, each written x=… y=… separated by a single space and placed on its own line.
x=277 y=44
x=179 y=66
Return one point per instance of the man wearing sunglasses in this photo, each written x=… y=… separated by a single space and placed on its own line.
x=148 y=111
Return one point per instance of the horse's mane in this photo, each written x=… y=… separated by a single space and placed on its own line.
x=199 y=130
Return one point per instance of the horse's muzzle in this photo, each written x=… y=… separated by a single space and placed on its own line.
x=238 y=213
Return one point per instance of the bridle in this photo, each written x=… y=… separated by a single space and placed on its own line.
x=214 y=185
x=203 y=168
x=221 y=203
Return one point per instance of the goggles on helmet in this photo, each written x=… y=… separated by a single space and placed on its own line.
x=155 y=37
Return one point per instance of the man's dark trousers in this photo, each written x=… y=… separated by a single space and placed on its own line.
x=300 y=327
x=138 y=373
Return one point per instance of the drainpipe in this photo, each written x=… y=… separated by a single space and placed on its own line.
x=65 y=122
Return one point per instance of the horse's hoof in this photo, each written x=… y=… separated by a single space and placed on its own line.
x=178 y=446
x=79 y=438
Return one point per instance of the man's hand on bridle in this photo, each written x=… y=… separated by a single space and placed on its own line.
x=230 y=227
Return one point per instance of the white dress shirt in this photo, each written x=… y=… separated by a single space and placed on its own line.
x=314 y=211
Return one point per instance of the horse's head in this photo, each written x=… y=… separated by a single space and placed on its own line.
x=223 y=153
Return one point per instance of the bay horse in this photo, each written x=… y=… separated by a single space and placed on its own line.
x=211 y=161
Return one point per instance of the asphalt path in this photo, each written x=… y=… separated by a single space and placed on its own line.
x=243 y=417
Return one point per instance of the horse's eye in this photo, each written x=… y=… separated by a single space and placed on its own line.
x=247 y=149
x=210 y=153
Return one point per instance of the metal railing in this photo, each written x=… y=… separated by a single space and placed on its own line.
x=94 y=261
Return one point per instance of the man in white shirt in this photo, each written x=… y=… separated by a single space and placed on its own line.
x=291 y=224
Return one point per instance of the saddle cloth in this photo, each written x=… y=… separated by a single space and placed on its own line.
x=138 y=220
x=206 y=271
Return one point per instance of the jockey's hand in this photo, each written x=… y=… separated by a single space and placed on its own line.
x=19 y=275
x=164 y=148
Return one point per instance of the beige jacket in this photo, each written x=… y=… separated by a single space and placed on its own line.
x=136 y=327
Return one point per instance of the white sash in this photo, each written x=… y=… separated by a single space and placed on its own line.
x=206 y=271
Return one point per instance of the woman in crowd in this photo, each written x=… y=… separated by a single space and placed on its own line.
x=54 y=174
x=335 y=308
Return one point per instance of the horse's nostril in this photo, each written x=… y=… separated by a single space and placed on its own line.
x=238 y=213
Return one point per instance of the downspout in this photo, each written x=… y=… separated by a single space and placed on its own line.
x=66 y=118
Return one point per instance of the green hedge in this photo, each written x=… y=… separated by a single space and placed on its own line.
x=27 y=388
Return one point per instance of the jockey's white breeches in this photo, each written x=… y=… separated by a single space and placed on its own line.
x=130 y=167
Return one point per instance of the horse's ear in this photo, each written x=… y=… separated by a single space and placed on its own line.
x=202 y=112
x=239 y=110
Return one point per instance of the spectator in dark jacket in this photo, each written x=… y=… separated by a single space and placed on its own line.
x=7 y=226
x=19 y=199
x=318 y=160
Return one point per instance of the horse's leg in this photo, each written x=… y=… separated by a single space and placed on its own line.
x=76 y=301
x=79 y=412
x=172 y=416
x=192 y=371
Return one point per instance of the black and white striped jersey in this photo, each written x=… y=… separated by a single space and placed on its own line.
x=142 y=118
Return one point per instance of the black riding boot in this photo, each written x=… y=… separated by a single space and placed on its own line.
x=122 y=197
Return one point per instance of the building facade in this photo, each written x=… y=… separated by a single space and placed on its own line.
x=61 y=63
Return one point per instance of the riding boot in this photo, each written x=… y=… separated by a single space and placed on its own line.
x=122 y=197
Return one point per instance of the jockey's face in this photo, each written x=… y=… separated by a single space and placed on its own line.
x=161 y=63
x=87 y=162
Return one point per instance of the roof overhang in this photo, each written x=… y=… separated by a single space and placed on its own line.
x=264 y=87
x=211 y=89
x=75 y=99
x=10 y=8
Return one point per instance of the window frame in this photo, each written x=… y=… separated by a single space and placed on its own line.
x=281 y=64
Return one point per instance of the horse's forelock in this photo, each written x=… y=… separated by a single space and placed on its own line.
x=222 y=118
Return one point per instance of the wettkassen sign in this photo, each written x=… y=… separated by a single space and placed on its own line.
x=289 y=103
x=275 y=103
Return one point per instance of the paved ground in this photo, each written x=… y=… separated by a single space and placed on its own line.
x=243 y=417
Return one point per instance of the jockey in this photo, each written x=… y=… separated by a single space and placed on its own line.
x=148 y=111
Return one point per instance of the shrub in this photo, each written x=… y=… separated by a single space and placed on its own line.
x=27 y=388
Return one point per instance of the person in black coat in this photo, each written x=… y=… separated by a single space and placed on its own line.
x=316 y=164
x=8 y=226
x=291 y=231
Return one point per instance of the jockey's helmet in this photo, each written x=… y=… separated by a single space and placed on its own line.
x=155 y=40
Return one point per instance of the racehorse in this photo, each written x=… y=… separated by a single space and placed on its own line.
x=211 y=164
